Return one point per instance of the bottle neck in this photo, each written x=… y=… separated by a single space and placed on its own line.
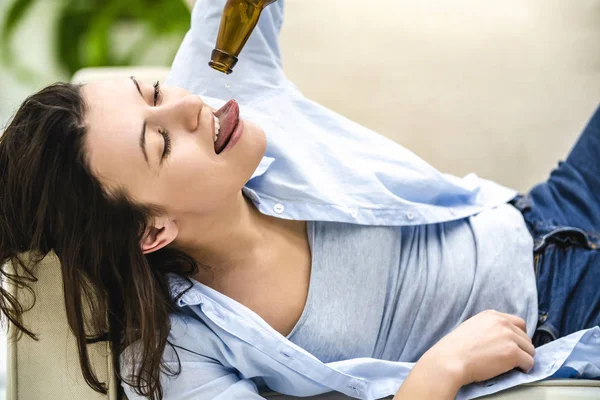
x=237 y=23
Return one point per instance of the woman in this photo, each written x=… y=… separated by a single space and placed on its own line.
x=288 y=248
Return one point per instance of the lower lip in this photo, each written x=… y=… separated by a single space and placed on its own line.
x=235 y=136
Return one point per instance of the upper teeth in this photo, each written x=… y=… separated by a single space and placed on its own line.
x=217 y=127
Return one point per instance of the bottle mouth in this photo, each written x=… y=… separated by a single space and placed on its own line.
x=222 y=61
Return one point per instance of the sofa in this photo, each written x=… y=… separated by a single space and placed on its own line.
x=501 y=89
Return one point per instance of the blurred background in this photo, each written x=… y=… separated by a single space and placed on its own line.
x=43 y=41
x=501 y=88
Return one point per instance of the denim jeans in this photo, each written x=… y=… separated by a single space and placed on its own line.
x=563 y=216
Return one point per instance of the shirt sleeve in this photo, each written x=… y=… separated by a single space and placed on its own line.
x=201 y=377
x=202 y=380
x=259 y=70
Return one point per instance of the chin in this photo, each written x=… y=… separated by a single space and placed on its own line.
x=257 y=137
x=250 y=149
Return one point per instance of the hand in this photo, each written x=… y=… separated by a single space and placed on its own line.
x=484 y=346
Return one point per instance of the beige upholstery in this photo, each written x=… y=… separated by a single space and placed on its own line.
x=498 y=88
x=48 y=369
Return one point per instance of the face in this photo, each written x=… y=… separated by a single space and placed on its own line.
x=174 y=164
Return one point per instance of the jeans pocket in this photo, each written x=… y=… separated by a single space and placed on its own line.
x=544 y=333
x=564 y=237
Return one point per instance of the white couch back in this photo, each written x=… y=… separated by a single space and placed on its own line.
x=499 y=88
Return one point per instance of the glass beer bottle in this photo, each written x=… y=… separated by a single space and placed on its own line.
x=237 y=23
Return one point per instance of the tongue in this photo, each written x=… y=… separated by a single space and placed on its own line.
x=228 y=117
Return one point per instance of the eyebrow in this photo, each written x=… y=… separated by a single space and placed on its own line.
x=143 y=134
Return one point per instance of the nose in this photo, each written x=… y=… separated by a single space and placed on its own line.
x=183 y=112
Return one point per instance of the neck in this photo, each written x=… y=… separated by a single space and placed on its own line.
x=237 y=237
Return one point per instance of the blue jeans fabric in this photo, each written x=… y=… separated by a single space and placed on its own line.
x=563 y=216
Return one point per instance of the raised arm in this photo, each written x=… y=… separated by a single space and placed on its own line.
x=258 y=70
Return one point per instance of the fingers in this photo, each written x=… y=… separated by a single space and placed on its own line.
x=520 y=337
x=524 y=361
x=526 y=349
x=519 y=327
x=517 y=321
x=524 y=342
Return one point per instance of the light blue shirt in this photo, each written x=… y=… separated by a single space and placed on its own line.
x=318 y=166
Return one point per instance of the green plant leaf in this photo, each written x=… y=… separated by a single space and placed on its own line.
x=97 y=39
x=83 y=29
x=15 y=14
x=71 y=27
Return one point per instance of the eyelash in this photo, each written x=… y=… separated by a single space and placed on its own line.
x=157 y=93
x=164 y=133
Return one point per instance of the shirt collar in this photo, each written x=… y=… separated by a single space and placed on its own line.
x=177 y=285
x=264 y=165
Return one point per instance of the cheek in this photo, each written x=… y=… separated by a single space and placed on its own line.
x=190 y=173
x=189 y=161
x=193 y=188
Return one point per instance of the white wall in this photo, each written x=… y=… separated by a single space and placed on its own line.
x=501 y=88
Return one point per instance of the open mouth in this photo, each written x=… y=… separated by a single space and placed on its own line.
x=226 y=121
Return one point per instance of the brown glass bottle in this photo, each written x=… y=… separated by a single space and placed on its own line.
x=237 y=23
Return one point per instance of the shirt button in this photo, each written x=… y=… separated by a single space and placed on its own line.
x=278 y=208
x=410 y=215
x=356 y=391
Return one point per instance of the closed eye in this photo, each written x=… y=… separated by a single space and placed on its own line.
x=167 y=146
x=157 y=92
x=163 y=132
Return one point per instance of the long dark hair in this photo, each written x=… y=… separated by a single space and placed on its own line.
x=50 y=201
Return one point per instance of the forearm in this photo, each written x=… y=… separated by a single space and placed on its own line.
x=431 y=380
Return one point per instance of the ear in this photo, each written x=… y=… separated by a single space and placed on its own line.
x=158 y=235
